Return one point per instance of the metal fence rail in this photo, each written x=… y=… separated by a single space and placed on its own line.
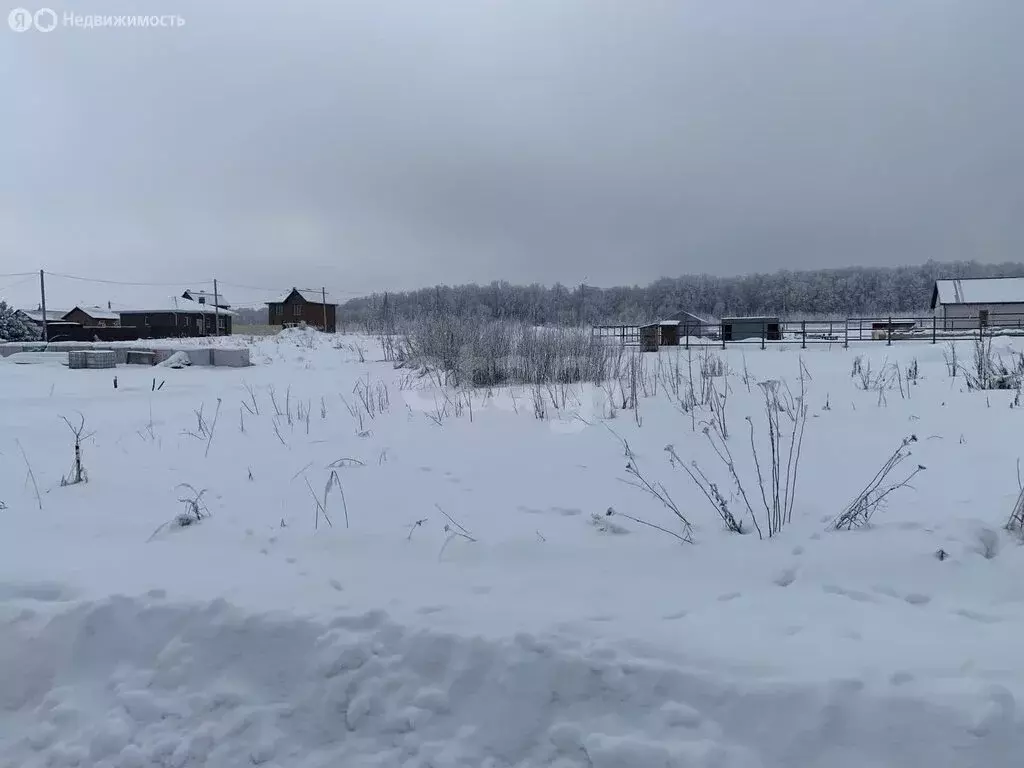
x=805 y=332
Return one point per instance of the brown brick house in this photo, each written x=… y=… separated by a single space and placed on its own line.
x=301 y=306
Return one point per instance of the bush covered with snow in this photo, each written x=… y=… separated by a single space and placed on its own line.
x=13 y=327
x=496 y=353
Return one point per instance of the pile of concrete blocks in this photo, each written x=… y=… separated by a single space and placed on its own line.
x=135 y=355
x=9 y=348
x=38 y=358
x=139 y=357
x=196 y=355
x=231 y=358
x=92 y=358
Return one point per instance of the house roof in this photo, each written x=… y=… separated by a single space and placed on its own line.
x=982 y=290
x=200 y=296
x=682 y=314
x=178 y=305
x=313 y=297
x=36 y=315
x=96 y=313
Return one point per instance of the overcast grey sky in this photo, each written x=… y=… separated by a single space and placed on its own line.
x=374 y=144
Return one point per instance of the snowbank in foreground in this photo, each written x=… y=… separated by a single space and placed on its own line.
x=131 y=683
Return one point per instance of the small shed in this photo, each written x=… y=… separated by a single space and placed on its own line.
x=650 y=337
x=689 y=324
x=988 y=302
x=740 y=328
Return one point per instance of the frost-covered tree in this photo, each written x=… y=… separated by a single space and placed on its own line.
x=13 y=327
x=846 y=292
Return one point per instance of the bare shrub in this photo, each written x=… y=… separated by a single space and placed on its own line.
x=1015 y=523
x=496 y=353
x=333 y=481
x=777 y=469
x=195 y=511
x=873 y=496
x=77 y=474
x=638 y=480
x=990 y=370
x=452 y=530
x=952 y=358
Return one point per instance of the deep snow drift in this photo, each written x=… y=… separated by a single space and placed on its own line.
x=528 y=633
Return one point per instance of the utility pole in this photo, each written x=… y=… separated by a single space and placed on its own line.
x=42 y=295
x=216 y=309
x=323 y=293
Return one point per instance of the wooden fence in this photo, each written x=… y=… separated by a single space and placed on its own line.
x=838 y=332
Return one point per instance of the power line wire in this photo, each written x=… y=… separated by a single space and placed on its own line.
x=16 y=283
x=122 y=282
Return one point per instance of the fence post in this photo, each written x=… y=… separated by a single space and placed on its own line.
x=687 y=329
x=803 y=333
x=935 y=329
x=846 y=334
x=721 y=332
x=764 y=332
x=889 y=335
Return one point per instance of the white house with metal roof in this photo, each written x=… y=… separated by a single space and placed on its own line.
x=990 y=302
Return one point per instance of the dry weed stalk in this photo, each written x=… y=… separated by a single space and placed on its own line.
x=859 y=512
x=77 y=474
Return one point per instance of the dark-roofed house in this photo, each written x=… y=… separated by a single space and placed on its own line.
x=985 y=302
x=177 y=317
x=299 y=307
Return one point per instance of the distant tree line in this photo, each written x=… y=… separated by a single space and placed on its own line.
x=848 y=292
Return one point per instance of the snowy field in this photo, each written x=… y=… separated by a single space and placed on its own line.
x=459 y=596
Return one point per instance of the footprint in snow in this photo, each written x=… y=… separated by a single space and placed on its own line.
x=901 y=678
x=860 y=597
x=915 y=598
x=786 y=577
x=981 y=618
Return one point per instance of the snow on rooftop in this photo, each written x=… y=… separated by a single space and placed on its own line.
x=208 y=297
x=986 y=290
x=176 y=304
x=314 y=297
x=52 y=315
x=97 y=313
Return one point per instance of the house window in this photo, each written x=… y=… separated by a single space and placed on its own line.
x=297 y=310
x=983 y=318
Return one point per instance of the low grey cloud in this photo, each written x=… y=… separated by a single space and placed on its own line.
x=376 y=144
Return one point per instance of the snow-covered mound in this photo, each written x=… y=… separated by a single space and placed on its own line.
x=143 y=682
